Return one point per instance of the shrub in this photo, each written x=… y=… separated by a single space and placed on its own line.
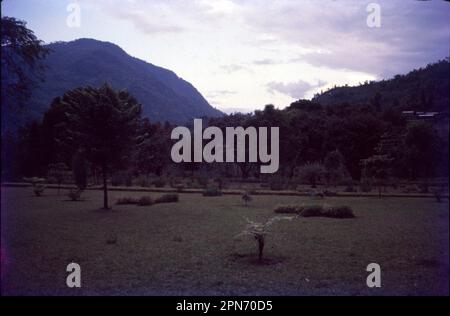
x=365 y=186
x=287 y=209
x=349 y=188
x=126 y=200
x=39 y=189
x=246 y=197
x=339 y=212
x=142 y=181
x=330 y=193
x=212 y=192
x=159 y=183
x=167 y=198
x=145 y=200
x=277 y=184
x=75 y=194
x=311 y=211
x=121 y=178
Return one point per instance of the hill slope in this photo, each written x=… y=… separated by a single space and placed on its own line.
x=424 y=89
x=163 y=95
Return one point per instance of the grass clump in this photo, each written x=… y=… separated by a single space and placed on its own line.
x=145 y=201
x=339 y=212
x=311 y=211
x=287 y=209
x=126 y=200
x=168 y=198
x=75 y=194
x=316 y=211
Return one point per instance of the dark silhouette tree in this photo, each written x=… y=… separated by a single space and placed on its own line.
x=21 y=58
x=102 y=123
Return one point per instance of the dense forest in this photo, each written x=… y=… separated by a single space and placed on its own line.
x=423 y=89
x=334 y=143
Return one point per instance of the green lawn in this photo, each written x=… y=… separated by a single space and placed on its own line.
x=189 y=248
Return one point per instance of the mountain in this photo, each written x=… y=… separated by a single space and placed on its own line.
x=163 y=95
x=423 y=89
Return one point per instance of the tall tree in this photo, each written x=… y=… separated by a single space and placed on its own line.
x=102 y=123
x=21 y=60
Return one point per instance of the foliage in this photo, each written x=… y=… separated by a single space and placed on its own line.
x=311 y=173
x=21 y=59
x=246 y=197
x=75 y=194
x=145 y=200
x=167 y=198
x=212 y=191
x=126 y=200
x=159 y=182
x=102 y=123
x=339 y=212
x=287 y=209
x=38 y=189
x=259 y=231
x=311 y=211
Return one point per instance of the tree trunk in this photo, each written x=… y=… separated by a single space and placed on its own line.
x=105 y=189
x=260 y=247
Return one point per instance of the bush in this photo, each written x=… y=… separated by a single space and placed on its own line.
x=277 y=184
x=349 y=188
x=287 y=209
x=167 y=198
x=246 y=197
x=330 y=193
x=365 y=186
x=159 y=183
x=75 y=194
x=339 y=212
x=39 y=189
x=121 y=178
x=145 y=200
x=126 y=200
x=212 y=192
x=311 y=210
x=142 y=181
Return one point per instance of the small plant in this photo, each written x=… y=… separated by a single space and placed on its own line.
x=339 y=212
x=259 y=231
x=437 y=192
x=287 y=209
x=75 y=194
x=39 y=189
x=126 y=200
x=246 y=197
x=167 y=198
x=145 y=200
x=211 y=191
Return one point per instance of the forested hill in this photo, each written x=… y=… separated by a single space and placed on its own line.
x=423 y=89
x=163 y=95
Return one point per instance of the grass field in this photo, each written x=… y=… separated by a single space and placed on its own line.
x=189 y=247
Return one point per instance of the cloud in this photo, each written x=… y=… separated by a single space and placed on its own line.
x=296 y=90
x=216 y=93
x=232 y=68
x=266 y=61
x=412 y=34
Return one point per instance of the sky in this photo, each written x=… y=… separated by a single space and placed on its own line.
x=244 y=54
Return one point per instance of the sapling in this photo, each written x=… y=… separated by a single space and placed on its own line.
x=246 y=197
x=259 y=231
